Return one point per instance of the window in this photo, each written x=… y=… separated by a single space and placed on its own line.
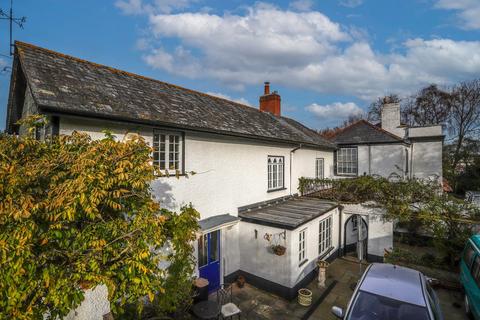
x=319 y=168
x=301 y=246
x=347 y=162
x=324 y=235
x=202 y=250
x=167 y=151
x=275 y=172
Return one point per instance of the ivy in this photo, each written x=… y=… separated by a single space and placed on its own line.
x=76 y=213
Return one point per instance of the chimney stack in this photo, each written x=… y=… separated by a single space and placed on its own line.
x=270 y=102
x=391 y=119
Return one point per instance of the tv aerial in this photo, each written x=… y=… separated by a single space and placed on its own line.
x=12 y=19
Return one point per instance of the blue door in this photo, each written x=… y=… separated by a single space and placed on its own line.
x=209 y=259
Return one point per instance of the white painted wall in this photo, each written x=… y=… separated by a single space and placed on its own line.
x=93 y=307
x=312 y=254
x=427 y=159
x=380 y=231
x=256 y=258
x=381 y=160
x=255 y=255
x=231 y=172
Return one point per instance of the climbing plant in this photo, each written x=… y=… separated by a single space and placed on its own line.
x=76 y=213
x=414 y=202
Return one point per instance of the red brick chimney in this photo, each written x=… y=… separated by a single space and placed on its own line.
x=270 y=102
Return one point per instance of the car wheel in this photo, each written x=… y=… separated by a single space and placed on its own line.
x=468 y=311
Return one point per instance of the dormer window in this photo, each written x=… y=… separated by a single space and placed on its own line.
x=168 y=152
x=275 y=172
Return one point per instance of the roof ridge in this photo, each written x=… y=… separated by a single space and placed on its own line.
x=347 y=127
x=136 y=75
x=383 y=130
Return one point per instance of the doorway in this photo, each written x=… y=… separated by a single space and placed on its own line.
x=209 y=259
x=355 y=237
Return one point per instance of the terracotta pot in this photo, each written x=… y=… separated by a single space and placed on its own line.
x=240 y=281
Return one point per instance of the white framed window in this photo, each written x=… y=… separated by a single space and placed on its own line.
x=276 y=166
x=324 y=235
x=347 y=161
x=301 y=246
x=319 y=171
x=167 y=151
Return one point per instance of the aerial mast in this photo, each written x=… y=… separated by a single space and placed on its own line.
x=12 y=19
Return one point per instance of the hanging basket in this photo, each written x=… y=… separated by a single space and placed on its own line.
x=279 y=250
x=304 y=297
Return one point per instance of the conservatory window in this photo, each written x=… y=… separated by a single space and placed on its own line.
x=275 y=172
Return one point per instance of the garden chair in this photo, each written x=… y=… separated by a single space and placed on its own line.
x=228 y=309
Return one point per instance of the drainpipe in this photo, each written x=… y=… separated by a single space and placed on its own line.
x=291 y=157
x=340 y=230
x=369 y=160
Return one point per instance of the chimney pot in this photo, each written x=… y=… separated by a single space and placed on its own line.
x=267 y=88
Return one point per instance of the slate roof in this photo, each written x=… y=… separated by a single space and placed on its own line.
x=216 y=221
x=65 y=84
x=362 y=132
x=288 y=214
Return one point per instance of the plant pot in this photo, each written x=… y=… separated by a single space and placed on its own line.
x=304 y=297
x=279 y=250
x=240 y=281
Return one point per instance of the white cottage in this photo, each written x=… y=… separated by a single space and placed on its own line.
x=248 y=162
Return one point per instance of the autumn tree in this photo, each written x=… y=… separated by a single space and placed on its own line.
x=77 y=213
x=429 y=106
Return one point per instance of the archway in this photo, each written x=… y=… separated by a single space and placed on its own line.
x=355 y=236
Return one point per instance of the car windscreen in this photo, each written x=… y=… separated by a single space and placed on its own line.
x=369 y=306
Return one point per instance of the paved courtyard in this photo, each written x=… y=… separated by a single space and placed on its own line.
x=342 y=277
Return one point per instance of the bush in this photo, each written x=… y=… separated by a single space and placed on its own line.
x=76 y=213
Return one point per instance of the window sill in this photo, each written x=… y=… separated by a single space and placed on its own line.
x=278 y=189
x=324 y=254
x=303 y=263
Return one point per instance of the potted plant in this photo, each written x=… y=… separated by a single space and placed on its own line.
x=304 y=297
x=278 y=249
x=240 y=281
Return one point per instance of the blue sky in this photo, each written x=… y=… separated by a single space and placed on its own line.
x=328 y=59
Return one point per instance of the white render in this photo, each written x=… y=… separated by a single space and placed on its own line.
x=230 y=172
x=418 y=156
x=93 y=307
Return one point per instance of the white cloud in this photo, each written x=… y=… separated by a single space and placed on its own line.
x=134 y=7
x=468 y=11
x=226 y=96
x=301 y=5
x=335 y=110
x=351 y=3
x=307 y=50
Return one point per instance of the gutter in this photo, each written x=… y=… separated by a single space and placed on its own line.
x=291 y=161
